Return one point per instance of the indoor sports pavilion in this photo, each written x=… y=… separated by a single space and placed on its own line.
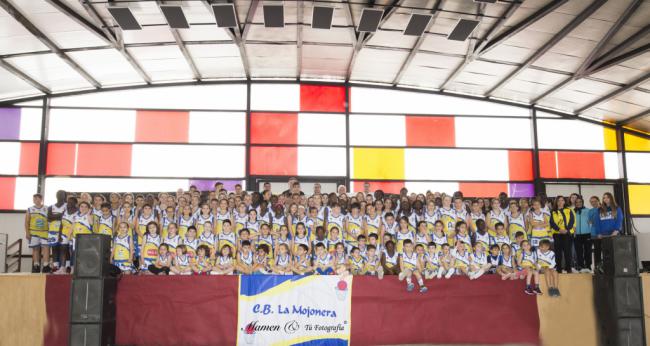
x=540 y=100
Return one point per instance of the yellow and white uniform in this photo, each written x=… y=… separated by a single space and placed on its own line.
x=516 y=224
x=475 y=217
x=401 y=237
x=106 y=225
x=372 y=264
x=82 y=225
x=466 y=239
x=184 y=224
x=391 y=228
x=200 y=222
x=294 y=222
x=432 y=261
x=486 y=239
x=357 y=266
x=431 y=219
x=210 y=240
x=219 y=218
x=410 y=262
x=268 y=241
x=528 y=260
x=253 y=228
x=240 y=221
x=164 y=223
x=439 y=240
x=300 y=240
x=372 y=225
x=448 y=218
x=281 y=262
x=494 y=218
x=54 y=226
x=38 y=227
x=150 y=249
x=507 y=262
x=277 y=222
x=122 y=252
x=191 y=245
x=331 y=243
x=353 y=230
x=422 y=239
x=391 y=261
x=413 y=220
x=67 y=222
x=546 y=259
x=461 y=260
x=229 y=239
x=461 y=215
x=183 y=263
x=335 y=221
x=172 y=242
x=539 y=233
x=502 y=239
x=143 y=221
x=478 y=259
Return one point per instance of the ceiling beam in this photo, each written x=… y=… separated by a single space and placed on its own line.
x=181 y=46
x=27 y=79
x=642 y=79
x=634 y=118
x=481 y=43
x=580 y=72
x=20 y=18
x=593 y=7
x=81 y=20
x=619 y=48
x=300 y=20
x=620 y=58
x=513 y=30
x=418 y=43
x=116 y=43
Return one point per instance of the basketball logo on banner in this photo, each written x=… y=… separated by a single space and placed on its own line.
x=291 y=310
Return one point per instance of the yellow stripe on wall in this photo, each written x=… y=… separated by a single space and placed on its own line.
x=610 y=138
x=378 y=163
x=639 y=199
x=636 y=143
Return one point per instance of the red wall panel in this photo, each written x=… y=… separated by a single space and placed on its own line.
x=581 y=165
x=430 y=131
x=104 y=160
x=274 y=128
x=162 y=126
x=520 y=164
x=60 y=158
x=29 y=153
x=273 y=161
x=547 y=164
x=7 y=192
x=322 y=98
x=483 y=189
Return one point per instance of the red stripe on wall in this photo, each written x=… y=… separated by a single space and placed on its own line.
x=274 y=128
x=547 y=164
x=274 y=161
x=485 y=311
x=483 y=189
x=430 y=131
x=29 y=153
x=520 y=164
x=60 y=158
x=163 y=126
x=581 y=165
x=104 y=159
x=386 y=186
x=322 y=98
x=7 y=192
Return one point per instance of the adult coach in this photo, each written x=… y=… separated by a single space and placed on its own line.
x=608 y=223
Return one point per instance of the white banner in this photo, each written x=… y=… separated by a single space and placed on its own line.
x=294 y=310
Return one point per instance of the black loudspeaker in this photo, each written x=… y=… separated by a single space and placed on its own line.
x=92 y=256
x=618 y=297
x=619 y=256
x=623 y=332
x=93 y=300
x=92 y=334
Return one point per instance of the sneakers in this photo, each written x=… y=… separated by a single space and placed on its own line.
x=47 y=270
x=410 y=287
x=36 y=269
x=440 y=272
x=529 y=291
x=380 y=275
x=423 y=289
x=400 y=276
x=585 y=270
x=60 y=271
x=538 y=291
x=551 y=292
x=450 y=273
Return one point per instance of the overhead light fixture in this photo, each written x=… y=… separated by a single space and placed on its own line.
x=486 y=1
x=463 y=29
x=322 y=17
x=418 y=24
x=225 y=15
x=124 y=18
x=175 y=16
x=370 y=19
x=274 y=16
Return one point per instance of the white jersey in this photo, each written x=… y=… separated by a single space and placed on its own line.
x=391 y=259
x=172 y=242
x=391 y=228
x=478 y=259
x=546 y=259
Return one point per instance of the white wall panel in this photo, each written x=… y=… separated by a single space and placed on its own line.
x=493 y=132
x=638 y=167
x=10 y=158
x=217 y=127
x=569 y=134
x=455 y=164
x=196 y=161
x=30 y=124
x=323 y=161
x=95 y=125
x=26 y=187
x=328 y=129
x=275 y=97
x=378 y=130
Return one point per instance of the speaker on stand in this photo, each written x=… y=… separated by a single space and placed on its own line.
x=618 y=294
x=92 y=296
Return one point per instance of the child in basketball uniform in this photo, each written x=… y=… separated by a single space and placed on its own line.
x=410 y=266
x=461 y=258
x=404 y=233
x=463 y=236
x=191 y=242
x=245 y=258
x=282 y=264
x=340 y=259
x=516 y=220
x=224 y=264
x=201 y=264
x=163 y=263
x=501 y=236
x=301 y=238
x=83 y=222
x=278 y=219
x=335 y=218
x=390 y=259
x=353 y=223
x=172 y=239
x=390 y=226
x=478 y=262
x=482 y=236
x=356 y=263
x=431 y=216
x=145 y=216
x=422 y=236
x=221 y=215
x=527 y=259
x=507 y=263
x=301 y=262
x=185 y=221
x=431 y=261
x=202 y=218
x=209 y=239
x=319 y=238
x=123 y=249
x=447 y=262
x=323 y=260
x=240 y=216
x=283 y=238
x=67 y=224
x=150 y=244
x=181 y=262
x=372 y=223
x=54 y=218
x=362 y=245
x=438 y=236
x=538 y=222
x=495 y=216
x=475 y=215
x=265 y=238
x=447 y=215
x=333 y=239
x=373 y=263
x=168 y=217
x=36 y=231
x=227 y=236
x=493 y=258
x=546 y=261
x=261 y=262
x=105 y=223
x=253 y=224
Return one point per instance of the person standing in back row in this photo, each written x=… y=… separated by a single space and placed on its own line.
x=608 y=223
x=584 y=227
x=563 y=225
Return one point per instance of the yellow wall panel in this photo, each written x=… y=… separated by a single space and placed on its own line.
x=610 y=138
x=636 y=143
x=639 y=199
x=378 y=163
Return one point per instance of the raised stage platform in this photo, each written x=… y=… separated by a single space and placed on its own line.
x=203 y=311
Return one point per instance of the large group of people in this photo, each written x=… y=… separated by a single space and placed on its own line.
x=418 y=237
